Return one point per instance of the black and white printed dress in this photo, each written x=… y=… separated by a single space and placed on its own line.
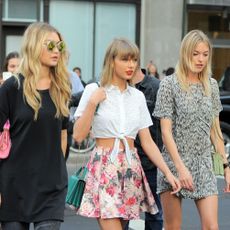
x=191 y=114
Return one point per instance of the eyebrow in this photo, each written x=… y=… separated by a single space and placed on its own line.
x=206 y=51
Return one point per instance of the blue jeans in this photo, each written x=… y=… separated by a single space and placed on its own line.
x=43 y=225
x=153 y=222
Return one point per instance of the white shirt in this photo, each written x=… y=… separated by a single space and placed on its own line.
x=120 y=115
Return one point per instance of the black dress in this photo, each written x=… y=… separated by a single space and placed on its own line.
x=33 y=179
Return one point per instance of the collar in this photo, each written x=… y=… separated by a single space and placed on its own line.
x=144 y=83
x=115 y=88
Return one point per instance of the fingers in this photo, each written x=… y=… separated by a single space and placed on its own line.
x=187 y=184
x=176 y=186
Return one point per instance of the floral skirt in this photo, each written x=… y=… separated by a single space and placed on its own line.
x=116 y=189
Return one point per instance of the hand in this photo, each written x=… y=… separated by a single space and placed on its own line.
x=185 y=178
x=98 y=96
x=227 y=179
x=175 y=183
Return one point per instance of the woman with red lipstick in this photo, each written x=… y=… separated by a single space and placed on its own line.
x=33 y=179
x=188 y=106
x=116 y=187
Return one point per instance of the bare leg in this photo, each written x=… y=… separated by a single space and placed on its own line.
x=171 y=211
x=208 y=210
x=110 y=224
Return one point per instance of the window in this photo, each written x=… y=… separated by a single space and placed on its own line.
x=88 y=27
x=215 y=22
x=13 y=10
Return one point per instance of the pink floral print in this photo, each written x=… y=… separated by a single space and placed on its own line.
x=116 y=190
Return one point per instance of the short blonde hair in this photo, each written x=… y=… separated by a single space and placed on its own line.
x=184 y=65
x=120 y=47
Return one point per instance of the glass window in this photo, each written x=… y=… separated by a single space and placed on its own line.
x=88 y=27
x=76 y=25
x=112 y=20
x=215 y=22
x=13 y=43
x=20 y=10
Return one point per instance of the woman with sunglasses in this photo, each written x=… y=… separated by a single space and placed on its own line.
x=33 y=179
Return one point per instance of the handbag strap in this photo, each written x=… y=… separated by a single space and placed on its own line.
x=81 y=173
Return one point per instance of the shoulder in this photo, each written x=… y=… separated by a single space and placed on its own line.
x=151 y=81
x=213 y=82
x=135 y=92
x=171 y=79
x=214 y=86
x=11 y=83
x=168 y=83
x=91 y=87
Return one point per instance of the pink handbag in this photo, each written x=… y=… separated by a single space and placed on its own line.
x=5 y=142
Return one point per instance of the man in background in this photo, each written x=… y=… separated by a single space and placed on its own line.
x=149 y=86
x=77 y=70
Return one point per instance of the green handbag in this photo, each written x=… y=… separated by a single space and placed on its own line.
x=76 y=187
x=217 y=163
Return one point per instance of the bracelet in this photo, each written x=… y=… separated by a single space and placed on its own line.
x=225 y=165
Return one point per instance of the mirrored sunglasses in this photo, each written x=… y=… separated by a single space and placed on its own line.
x=50 y=45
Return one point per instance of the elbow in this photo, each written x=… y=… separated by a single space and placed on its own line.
x=77 y=135
x=78 y=138
x=165 y=135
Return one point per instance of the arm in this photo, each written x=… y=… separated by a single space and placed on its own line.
x=155 y=156
x=218 y=143
x=83 y=123
x=64 y=141
x=168 y=140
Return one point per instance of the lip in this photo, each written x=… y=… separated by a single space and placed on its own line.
x=199 y=65
x=54 y=58
x=129 y=72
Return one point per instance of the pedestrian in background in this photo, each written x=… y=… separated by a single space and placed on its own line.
x=116 y=187
x=10 y=65
x=149 y=86
x=77 y=70
x=152 y=70
x=76 y=88
x=188 y=106
x=33 y=179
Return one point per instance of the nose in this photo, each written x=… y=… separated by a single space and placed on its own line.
x=201 y=58
x=131 y=63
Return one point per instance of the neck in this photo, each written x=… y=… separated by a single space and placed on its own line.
x=193 y=77
x=45 y=72
x=44 y=79
x=120 y=83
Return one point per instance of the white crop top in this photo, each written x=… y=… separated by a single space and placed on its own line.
x=120 y=115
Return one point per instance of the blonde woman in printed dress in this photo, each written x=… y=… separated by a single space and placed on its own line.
x=188 y=106
x=116 y=187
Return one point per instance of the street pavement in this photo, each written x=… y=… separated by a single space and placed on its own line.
x=190 y=216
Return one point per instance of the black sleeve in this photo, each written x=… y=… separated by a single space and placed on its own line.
x=65 y=121
x=75 y=99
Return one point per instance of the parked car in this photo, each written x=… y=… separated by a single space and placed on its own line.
x=225 y=120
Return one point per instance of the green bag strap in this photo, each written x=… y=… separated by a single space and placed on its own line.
x=81 y=173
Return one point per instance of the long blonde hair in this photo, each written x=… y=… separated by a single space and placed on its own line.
x=184 y=65
x=30 y=68
x=119 y=47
